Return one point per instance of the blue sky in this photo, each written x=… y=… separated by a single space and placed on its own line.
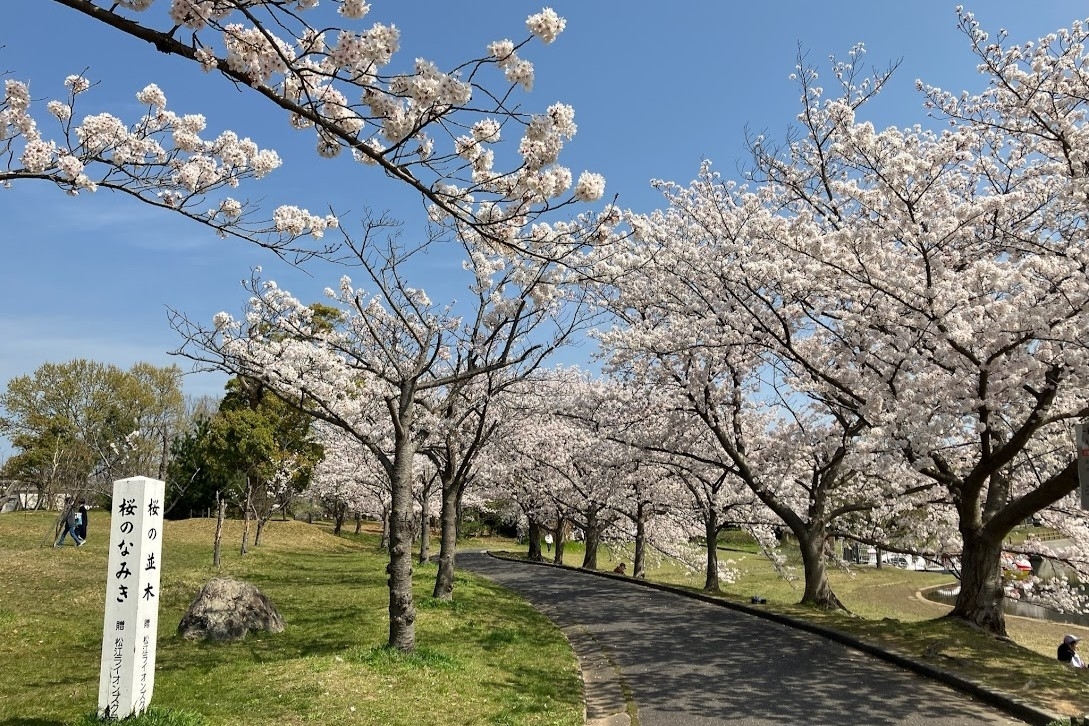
x=657 y=87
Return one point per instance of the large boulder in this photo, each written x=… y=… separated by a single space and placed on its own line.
x=226 y=610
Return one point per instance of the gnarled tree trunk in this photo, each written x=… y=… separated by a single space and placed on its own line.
x=980 y=599
x=818 y=593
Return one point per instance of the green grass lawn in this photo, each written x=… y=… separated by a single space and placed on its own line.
x=485 y=658
x=886 y=609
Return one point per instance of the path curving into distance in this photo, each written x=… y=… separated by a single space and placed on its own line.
x=675 y=661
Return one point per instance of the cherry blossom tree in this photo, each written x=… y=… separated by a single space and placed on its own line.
x=519 y=487
x=424 y=493
x=438 y=132
x=363 y=374
x=559 y=463
x=327 y=71
x=523 y=312
x=645 y=493
x=350 y=479
x=569 y=456
x=336 y=479
x=629 y=426
x=792 y=452
x=927 y=287
x=467 y=412
x=695 y=493
x=394 y=369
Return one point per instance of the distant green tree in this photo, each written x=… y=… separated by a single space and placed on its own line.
x=268 y=444
x=77 y=426
x=256 y=450
x=191 y=485
x=160 y=412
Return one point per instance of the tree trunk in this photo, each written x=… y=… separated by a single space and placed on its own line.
x=561 y=538
x=245 y=532
x=980 y=599
x=383 y=543
x=340 y=510
x=425 y=529
x=534 y=536
x=358 y=522
x=710 y=533
x=459 y=518
x=593 y=536
x=402 y=610
x=638 y=565
x=444 y=578
x=818 y=593
x=246 y=507
x=221 y=507
x=261 y=522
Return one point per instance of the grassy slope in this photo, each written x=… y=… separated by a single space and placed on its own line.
x=887 y=609
x=487 y=658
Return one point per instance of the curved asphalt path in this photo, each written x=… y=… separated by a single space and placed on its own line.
x=673 y=660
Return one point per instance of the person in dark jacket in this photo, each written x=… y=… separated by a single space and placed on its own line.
x=1068 y=651
x=82 y=529
x=71 y=525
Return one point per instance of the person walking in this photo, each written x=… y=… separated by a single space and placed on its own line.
x=82 y=520
x=72 y=520
x=548 y=541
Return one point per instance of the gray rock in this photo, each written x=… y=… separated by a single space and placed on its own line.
x=226 y=610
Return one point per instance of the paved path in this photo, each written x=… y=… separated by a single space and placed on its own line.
x=673 y=661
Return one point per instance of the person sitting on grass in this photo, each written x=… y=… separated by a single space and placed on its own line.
x=620 y=569
x=1068 y=651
